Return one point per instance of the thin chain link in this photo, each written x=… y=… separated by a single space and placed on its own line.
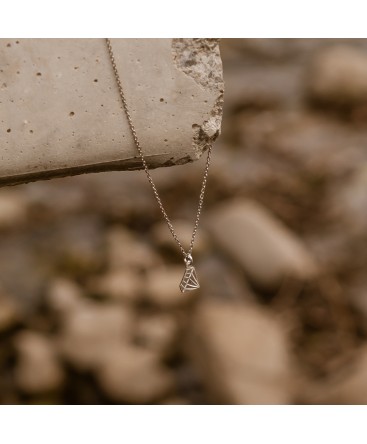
x=187 y=255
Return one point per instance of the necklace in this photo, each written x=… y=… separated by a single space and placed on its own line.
x=189 y=280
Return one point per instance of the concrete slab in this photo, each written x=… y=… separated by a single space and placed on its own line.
x=60 y=112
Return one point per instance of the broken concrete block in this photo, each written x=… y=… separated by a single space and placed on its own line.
x=61 y=113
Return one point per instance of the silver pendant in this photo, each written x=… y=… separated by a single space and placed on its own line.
x=189 y=280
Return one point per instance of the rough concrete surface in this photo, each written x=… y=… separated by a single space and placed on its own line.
x=60 y=112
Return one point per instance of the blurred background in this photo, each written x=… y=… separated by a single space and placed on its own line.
x=90 y=310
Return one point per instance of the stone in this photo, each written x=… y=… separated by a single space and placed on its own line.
x=356 y=292
x=38 y=369
x=260 y=88
x=267 y=250
x=241 y=353
x=90 y=332
x=123 y=285
x=156 y=332
x=220 y=281
x=338 y=76
x=101 y=191
x=349 y=201
x=347 y=386
x=21 y=273
x=126 y=250
x=72 y=243
x=9 y=312
x=64 y=296
x=69 y=193
x=162 y=287
x=134 y=375
x=175 y=401
x=274 y=50
x=315 y=145
x=47 y=132
x=13 y=209
x=163 y=237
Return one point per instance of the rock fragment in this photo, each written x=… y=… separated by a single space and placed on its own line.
x=348 y=386
x=156 y=332
x=13 y=209
x=93 y=330
x=64 y=296
x=266 y=250
x=9 y=313
x=338 y=76
x=163 y=237
x=242 y=354
x=119 y=285
x=134 y=375
x=38 y=369
x=162 y=287
x=125 y=250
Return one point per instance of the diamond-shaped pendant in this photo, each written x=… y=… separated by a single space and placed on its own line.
x=189 y=280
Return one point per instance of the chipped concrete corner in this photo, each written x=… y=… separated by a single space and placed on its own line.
x=61 y=114
x=200 y=59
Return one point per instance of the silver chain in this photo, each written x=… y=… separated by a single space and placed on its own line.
x=187 y=255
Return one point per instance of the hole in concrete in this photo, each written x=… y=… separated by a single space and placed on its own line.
x=71 y=114
x=39 y=73
x=95 y=80
x=17 y=42
x=8 y=130
x=8 y=45
x=76 y=67
x=161 y=100
x=31 y=131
